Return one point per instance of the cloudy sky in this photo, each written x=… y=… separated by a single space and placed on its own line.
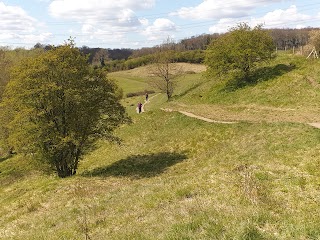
x=141 y=23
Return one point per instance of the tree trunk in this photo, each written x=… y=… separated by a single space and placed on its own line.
x=67 y=168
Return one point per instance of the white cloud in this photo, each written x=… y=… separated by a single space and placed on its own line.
x=223 y=25
x=84 y=8
x=127 y=18
x=35 y=38
x=88 y=29
x=289 y=18
x=160 y=28
x=14 y=18
x=111 y=13
x=144 y=21
x=280 y=18
x=17 y=26
x=102 y=20
x=216 y=9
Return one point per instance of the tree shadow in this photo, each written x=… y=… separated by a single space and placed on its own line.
x=2 y=159
x=139 y=166
x=187 y=91
x=259 y=75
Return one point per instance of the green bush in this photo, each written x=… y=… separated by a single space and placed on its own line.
x=134 y=94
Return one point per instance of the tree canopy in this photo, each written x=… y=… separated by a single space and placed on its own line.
x=56 y=106
x=238 y=52
x=4 y=66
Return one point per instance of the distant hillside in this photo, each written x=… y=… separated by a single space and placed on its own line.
x=188 y=49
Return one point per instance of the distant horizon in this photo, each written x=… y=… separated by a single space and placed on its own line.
x=130 y=48
x=128 y=24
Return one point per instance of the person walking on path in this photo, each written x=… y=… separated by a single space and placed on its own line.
x=139 y=107
x=147 y=97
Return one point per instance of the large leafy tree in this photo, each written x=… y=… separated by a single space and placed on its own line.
x=238 y=52
x=56 y=106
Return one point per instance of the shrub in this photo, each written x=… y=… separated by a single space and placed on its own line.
x=135 y=94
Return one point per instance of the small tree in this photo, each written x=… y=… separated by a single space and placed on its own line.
x=57 y=107
x=164 y=70
x=238 y=51
x=100 y=57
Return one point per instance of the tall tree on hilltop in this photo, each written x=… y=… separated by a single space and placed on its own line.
x=238 y=52
x=56 y=106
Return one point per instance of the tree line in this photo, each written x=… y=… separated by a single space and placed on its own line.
x=187 y=50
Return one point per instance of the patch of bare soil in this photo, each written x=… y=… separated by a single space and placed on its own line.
x=197 y=116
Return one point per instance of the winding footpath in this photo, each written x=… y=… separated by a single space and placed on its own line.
x=315 y=124
x=146 y=102
x=196 y=116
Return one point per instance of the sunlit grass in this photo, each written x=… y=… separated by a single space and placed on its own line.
x=175 y=177
x=287 y=90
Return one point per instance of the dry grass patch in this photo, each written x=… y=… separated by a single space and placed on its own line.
x=144 y=71
x=250 y=112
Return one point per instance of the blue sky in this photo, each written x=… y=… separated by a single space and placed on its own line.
x=141 y=23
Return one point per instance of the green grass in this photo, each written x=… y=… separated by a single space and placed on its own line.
x=285 y=90
x=175 y=177
x=136 y=80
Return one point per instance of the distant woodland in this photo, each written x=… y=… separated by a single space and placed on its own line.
x=189 y=50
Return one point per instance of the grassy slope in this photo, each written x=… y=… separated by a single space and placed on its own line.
x=136 y=80
x=179 y=178
x=288 y=90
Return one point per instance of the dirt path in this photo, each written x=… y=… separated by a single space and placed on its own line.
x=196 y=116
x=146 y=102
x=315 y=124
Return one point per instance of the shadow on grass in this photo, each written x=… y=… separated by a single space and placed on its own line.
x=259 y=75
x=187 y=91
x=2 y=159
x=139 y=166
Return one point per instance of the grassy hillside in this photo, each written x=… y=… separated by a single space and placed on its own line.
x=175 y=177
x=286 y=90
x=137 y=79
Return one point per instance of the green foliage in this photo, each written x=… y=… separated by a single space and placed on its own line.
x=4 y=68
x=141 y=93
x=238 y=52
x=119 y=65
x=9 y=58
x=57 y=107
x=192 y=56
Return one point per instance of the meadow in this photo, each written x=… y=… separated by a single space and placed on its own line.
x=175 y=177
